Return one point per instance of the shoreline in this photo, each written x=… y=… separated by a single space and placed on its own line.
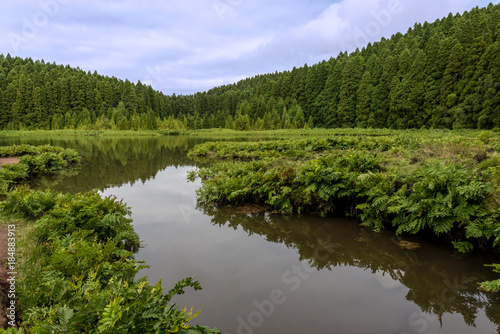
x=8 y=161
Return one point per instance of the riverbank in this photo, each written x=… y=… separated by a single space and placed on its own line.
x=443 y=184
x=74 y=270
x=17 y=165
x=227 y=133
x=72 y=133
x=8 y=161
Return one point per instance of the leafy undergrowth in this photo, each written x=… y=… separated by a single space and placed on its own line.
x=75 y=263
x=77 y=269
x=492 y=286
x=33 y=162
x=440 y=183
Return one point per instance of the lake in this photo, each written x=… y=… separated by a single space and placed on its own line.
x=263 y=272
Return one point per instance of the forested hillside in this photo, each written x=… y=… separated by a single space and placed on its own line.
x=444 y=74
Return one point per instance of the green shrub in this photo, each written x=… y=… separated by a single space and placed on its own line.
x=485 y=136
x=34 y=161
x=77 y=264
x=397 y=187
x=78 y=269
x=492 y=286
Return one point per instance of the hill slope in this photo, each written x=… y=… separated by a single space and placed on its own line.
x=444 y=74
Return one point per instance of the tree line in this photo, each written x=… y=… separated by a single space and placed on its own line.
x=437 y=75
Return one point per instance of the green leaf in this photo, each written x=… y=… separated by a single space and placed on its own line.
x=473 y=231
x=463 y=246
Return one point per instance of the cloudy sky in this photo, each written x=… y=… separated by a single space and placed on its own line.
x=187 y=46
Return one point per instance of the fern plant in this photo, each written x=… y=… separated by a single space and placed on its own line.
x=79 y=269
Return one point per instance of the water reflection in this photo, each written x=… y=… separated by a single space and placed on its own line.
x=437 y=281
x=113 y=161
x=268 y=273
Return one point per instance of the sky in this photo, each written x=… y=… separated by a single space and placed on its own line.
x=189 y=46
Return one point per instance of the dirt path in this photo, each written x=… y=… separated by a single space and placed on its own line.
x=8 y=161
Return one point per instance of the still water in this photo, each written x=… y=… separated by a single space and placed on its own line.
x=268 y=273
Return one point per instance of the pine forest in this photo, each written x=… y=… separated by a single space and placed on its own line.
x=437 y=75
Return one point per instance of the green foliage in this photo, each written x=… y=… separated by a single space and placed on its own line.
x=440 y=197
x=463 y=246
x=12 y=330
x=34 y=161
x=492 y=286
x=79 y=270
x=77 y=259
x=414 y=182
x=441 y=75
x=374 y=177
x=484 y=136
x=301 y=148
x=20 y=150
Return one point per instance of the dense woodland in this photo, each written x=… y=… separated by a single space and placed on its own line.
x=438 y=75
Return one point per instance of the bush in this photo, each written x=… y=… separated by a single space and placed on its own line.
x=78 y=269
x=34 y=161
x=77 y=264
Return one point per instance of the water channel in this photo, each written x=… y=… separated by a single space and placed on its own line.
x=263 y=272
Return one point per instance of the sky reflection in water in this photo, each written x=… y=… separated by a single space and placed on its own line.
x=267 y=273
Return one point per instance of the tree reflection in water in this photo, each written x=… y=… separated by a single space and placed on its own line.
x=438 y=280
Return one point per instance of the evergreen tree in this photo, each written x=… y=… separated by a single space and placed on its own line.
x=37 y=106
x=64 y=94
x=452 y=75
x=417 y=116
x=351 y=79
x=329 y=99
x=298 y=119
x=381 y=93
x=441 y=74
x=364 y=115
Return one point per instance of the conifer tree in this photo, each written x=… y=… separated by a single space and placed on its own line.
x=351 y=78
x=329 y=99
x=364 y=111
x=441 y=74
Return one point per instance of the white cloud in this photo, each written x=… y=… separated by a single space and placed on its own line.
x=187 y=83
x=351 y=24
x=186 y=46
x=328 y=25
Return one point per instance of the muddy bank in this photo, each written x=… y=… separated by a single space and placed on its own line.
x=8 y=161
